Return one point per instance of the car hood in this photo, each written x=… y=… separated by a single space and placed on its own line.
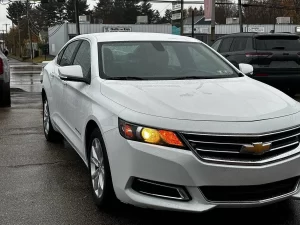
x=232 y=99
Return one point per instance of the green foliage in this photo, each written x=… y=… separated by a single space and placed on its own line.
x=69 y=10
x=15 y=11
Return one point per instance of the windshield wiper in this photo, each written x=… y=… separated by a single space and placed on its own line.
x=279 y=48
x=125 y=78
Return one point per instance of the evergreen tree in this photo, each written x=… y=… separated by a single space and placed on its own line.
x=146 y=10
x=70 y=9
x=15 y=11
x=104 y=10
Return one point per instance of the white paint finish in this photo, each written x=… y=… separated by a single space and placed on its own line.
x=181 y=167
x=233 y=105
x=233 y=99
x=71 y=71
x=246 y=69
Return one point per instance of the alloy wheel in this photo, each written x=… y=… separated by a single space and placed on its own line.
x=97 y=167
x=46 y=118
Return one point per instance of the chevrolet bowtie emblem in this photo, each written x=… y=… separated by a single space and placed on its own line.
x=257 y=148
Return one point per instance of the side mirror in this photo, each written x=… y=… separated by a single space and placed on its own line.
x=71 y=73
x=246 y=69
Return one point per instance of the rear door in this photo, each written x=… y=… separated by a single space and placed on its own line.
x=276 y=55
x=225 y=46
x=238 y=48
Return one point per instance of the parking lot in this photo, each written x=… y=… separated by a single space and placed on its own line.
x=45 y=183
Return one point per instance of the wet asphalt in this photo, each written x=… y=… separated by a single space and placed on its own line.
x=46 y=183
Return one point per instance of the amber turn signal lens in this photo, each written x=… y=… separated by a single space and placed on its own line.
x=128 y=131
x=150 y=135
x=170 y=138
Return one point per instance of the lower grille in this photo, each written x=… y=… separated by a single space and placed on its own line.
x=254 y=193
x=160 y=190
x=223 y=148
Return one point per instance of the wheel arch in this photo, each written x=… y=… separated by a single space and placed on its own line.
x=90 y=126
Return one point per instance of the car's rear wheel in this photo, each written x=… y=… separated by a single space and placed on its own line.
x=100 y=176
x=50 y=134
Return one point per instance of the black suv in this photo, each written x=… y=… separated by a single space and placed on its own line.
x=275 y=57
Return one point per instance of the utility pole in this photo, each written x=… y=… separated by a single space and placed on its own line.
x=77 y=16
x=6 y=24
x=181 y=20
x=193 y=23
x=19 y=33
x=29 y=31
x=2 y=39
x=213 y=21
x=240 y=15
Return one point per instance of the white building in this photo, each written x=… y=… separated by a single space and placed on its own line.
x=60 y=34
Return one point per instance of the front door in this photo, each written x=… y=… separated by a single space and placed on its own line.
x=59 y=85
x=77 y=97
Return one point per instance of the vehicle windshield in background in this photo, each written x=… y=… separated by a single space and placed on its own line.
x=273 y=43
x=161 y=61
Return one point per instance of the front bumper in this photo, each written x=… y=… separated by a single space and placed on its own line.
x=129 y=160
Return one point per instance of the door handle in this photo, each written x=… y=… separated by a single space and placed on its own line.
x=64 y=83
x=226 y=55
x=52 y=74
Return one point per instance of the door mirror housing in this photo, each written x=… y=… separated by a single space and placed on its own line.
x=246 y=69
x=71 y=73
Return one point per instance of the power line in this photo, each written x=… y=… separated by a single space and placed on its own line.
x=54 y=32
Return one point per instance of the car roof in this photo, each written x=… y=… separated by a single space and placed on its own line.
x=254 y=34
x=137 y=36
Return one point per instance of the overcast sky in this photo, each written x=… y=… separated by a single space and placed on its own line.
x=161 y=7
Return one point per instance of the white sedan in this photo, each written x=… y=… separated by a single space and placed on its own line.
x=170 y=123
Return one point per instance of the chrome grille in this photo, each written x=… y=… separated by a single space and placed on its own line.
x=225 y=148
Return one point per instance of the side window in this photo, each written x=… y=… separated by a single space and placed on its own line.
x=239 y=44
x=66 y=59
x=216 y=45
x=225 y=46
x=59 y=56
x=83 y=58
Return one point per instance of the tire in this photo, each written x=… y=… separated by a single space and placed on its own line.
x=5 y=99
x=50 y=134
x=99 y=171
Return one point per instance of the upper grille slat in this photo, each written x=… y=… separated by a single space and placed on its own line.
x=227 y=147
x=284 y=146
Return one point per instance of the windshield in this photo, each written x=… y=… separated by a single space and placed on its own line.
x=161 y=60
x=278 y=43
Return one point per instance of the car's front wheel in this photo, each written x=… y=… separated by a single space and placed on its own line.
x=50 y=134
x=100 y=175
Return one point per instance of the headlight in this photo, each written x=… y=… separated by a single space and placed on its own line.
x=150 y=135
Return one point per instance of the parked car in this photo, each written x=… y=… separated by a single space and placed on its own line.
x=172 y=125
x=4 y=81
x=274 y=56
